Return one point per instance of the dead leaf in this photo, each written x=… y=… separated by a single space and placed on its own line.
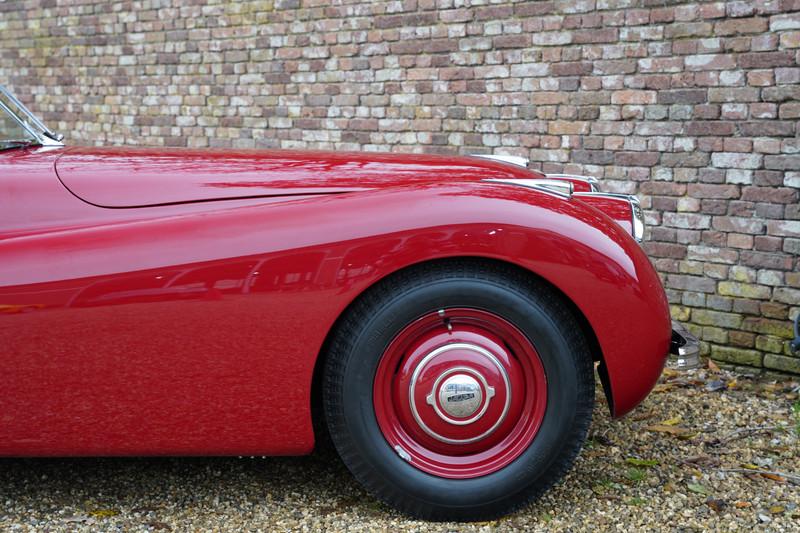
x=641 y=462
x=672 y=421
x=716 y=505
x=78 y=519
x=712 y=366
x=677 y=431
x=773 y=477
x=702 y=460
x=777 y=509
x=661 y=428
x=598 y=438
x=742 y=505
x=697 y=488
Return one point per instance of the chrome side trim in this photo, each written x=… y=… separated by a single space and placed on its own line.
x=591 y=180
x=617 y=195
x=560 y=188
x=512 y=159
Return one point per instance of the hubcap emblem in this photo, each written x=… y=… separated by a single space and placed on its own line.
x=460 y=395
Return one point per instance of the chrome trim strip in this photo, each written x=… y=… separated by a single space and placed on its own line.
x=560 y=188
x=43 y=134
x=617 y=195
x=591 y=180
x=511 y=159
x=637 y=219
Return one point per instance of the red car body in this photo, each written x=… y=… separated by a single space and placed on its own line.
x=177 y=302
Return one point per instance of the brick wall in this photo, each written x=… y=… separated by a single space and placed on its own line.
x=692 y=106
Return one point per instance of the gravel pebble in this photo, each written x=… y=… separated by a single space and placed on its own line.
x=628 y=478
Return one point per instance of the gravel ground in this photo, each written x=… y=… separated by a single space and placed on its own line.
x=694 y=456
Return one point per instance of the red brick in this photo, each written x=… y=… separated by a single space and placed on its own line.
x=605 y=35
x=410 y=20
x=633 y=97
x=766 y=243
x=710 y=128
x=682 y=96
x=740 y=26
x=739 y=225
x=738 y=240
x=767 y=260
x=512 y=41
x=767 y=59
x=533 y=9
x=712 y=10
x=663 y=249
x=697 y=190
x=637 y=159
x=780 y=195
x=761 y=78
x=573 y=68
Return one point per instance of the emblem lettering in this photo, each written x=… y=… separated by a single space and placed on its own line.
x=461 y=397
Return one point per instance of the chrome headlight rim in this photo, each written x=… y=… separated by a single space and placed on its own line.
x=637 y=218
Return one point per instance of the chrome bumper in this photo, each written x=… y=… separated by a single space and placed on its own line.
x=685 y=346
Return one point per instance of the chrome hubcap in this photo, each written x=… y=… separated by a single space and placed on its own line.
x=461 y=394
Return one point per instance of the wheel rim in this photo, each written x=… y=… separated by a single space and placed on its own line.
x=460 y=393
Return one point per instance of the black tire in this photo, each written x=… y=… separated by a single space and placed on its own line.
x=366 y=330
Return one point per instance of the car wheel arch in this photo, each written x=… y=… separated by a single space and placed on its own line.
x=320 y=431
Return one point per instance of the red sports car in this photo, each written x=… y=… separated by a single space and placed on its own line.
x=440 y=316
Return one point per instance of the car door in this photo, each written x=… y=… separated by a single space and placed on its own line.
x=147 y=331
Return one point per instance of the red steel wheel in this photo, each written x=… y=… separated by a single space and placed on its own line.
x=460 y=393
x=458 y=390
